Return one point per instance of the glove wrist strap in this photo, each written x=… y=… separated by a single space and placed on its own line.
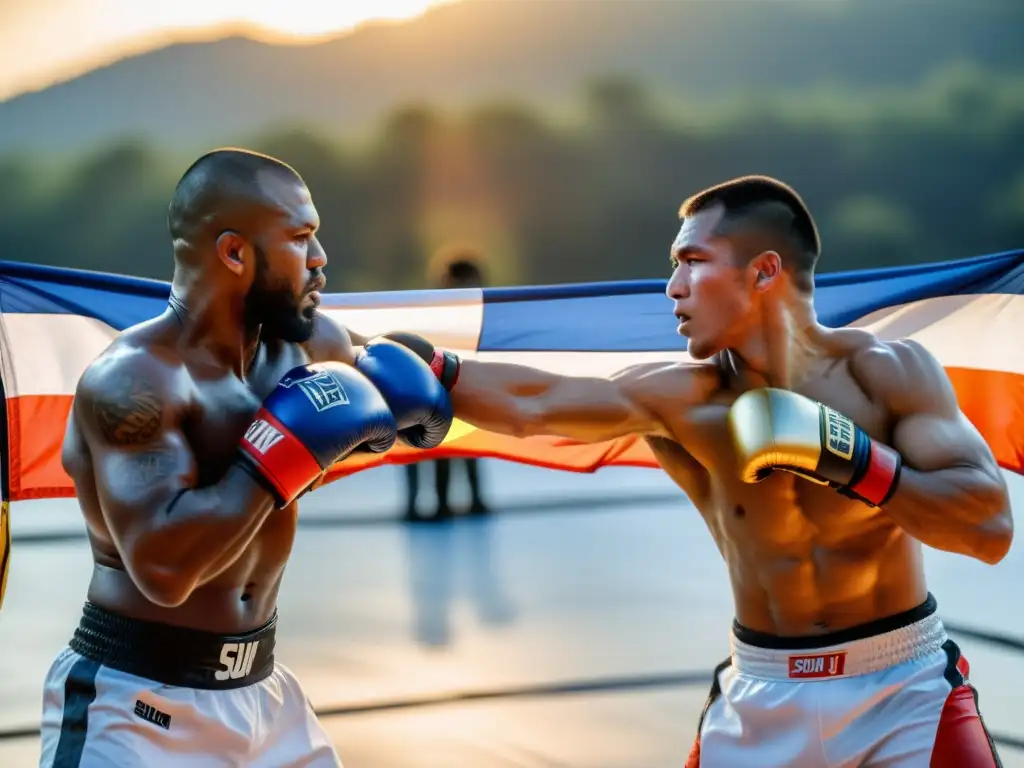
x=446 y=366
x=880 y=477
x=282 y=460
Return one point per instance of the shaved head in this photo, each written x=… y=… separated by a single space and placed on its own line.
x=761 y=213
x=244 y=225
x=226 y=189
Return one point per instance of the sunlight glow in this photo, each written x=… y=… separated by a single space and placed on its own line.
x=301 y=18
x=49 y=40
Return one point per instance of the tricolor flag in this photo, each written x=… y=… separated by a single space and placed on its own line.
x=54 y=322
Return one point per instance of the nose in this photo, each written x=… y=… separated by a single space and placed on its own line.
x=316 y=257
x=678 y=286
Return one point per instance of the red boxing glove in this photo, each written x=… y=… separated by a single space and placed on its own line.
x=315 y=416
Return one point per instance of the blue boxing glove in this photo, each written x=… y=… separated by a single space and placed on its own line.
x=444 y=364
x=422 y=407
x=315 y=416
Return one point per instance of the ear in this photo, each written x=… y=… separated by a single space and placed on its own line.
x=234 y=251
x=767 y=269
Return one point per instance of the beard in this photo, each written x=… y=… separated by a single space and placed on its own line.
x=274 y=306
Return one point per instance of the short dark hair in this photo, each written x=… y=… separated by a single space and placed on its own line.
x=216 y=183
x=772 y=208
x=457 y=264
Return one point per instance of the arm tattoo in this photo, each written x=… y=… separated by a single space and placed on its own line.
x=139 y=472
x=144 y=470
x=130 y=411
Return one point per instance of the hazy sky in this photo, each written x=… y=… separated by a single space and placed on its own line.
x=46 y=40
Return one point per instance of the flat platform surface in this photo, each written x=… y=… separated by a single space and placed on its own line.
x=607 y=583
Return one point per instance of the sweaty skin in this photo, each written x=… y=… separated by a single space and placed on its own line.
x=802 y=559
x=178 y=534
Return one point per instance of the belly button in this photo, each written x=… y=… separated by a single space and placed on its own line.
x=740 y=511
x=247 y=592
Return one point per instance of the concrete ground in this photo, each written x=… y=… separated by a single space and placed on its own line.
x=606 y=582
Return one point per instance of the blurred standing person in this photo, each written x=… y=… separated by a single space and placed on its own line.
x=456 y=267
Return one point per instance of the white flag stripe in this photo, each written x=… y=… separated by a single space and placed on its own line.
x=45 y=354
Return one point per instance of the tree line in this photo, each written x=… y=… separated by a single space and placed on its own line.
x=589 y=191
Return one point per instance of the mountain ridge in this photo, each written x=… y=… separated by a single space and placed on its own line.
x=194 y=92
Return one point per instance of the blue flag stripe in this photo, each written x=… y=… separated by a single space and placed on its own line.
x=587 y=317
x=637 y=316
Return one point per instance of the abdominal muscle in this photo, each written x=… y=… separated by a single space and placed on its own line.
x=814 y=562
x=240 y=599
x=217 y=607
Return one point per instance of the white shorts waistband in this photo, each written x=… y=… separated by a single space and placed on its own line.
x=860 y=657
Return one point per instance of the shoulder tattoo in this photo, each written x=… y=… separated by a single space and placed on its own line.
x=129 y=411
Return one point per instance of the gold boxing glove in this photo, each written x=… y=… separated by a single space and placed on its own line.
x=777 y=429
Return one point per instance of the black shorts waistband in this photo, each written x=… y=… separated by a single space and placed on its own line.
x=184 y=658
x=848 y=635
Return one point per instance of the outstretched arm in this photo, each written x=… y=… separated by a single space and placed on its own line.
x=522 y=401
x=951 y=494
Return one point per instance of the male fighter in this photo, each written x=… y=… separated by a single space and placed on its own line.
x=191 y=438
x=820 y=459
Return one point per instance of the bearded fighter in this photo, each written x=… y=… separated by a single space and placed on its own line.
x=190 y=441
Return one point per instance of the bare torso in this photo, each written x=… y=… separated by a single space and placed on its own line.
x=802 y=559
x=214 y=408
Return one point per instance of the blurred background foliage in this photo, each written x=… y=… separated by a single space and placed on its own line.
x=578 y=189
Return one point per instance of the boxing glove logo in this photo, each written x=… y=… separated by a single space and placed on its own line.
x=838 y=433
x=262 y=436
x=321 y=388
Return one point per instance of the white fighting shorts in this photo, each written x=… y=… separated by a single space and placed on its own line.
x=893 y=693
x=127 y=694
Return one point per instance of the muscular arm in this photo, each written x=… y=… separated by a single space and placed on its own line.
x=171 y=537
x=521 y=401
x=331 y=341
x=951 y=494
